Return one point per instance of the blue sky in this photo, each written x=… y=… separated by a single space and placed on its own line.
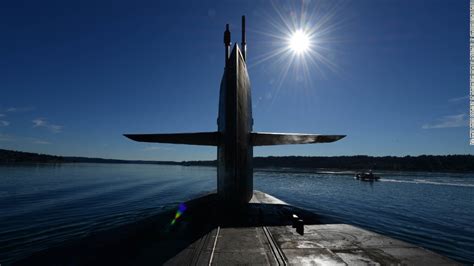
x=75 y=76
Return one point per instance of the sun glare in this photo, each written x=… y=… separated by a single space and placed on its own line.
x=299 y=42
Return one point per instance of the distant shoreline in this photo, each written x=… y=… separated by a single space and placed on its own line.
x=320 y=164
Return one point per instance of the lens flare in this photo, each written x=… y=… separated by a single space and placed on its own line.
x=182 y=207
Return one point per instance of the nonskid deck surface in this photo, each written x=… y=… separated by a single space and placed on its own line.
x=261 y=233
x=320 y=244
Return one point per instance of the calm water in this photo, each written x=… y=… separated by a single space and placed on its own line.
x=43 y=206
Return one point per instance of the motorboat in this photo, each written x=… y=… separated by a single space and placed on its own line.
x=366 y=176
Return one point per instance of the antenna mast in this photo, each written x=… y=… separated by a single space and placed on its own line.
x=244 y=43
x=227 y=42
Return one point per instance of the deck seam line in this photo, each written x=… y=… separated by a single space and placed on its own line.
x=198 y=250
x=214 y=246
x=277 y=252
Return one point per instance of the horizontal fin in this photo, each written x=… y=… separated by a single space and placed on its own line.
x=267 y=138
x=198 y=138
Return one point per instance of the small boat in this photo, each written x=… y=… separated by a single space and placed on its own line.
x=366 y=176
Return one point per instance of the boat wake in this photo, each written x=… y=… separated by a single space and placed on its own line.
x=426 y=182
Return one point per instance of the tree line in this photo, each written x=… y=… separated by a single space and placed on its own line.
x=433 y=163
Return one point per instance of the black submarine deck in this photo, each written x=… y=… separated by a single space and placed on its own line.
x=259 y=234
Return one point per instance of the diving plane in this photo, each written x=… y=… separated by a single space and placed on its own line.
x=234 y=137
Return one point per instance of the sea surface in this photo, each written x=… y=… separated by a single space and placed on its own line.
x=42 y=206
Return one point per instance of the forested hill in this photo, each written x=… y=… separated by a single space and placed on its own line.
x=7 y=156
x=433 y=163
x=429 y=163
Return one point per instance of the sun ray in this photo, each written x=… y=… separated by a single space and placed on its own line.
x=266 y=56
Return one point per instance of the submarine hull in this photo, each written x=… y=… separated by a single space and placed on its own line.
x=263 y=233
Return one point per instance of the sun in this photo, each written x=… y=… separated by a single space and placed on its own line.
x=299 y=42
x=302 y=40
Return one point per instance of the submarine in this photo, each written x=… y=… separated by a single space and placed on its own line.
x=236 y=225
x=234 y=138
